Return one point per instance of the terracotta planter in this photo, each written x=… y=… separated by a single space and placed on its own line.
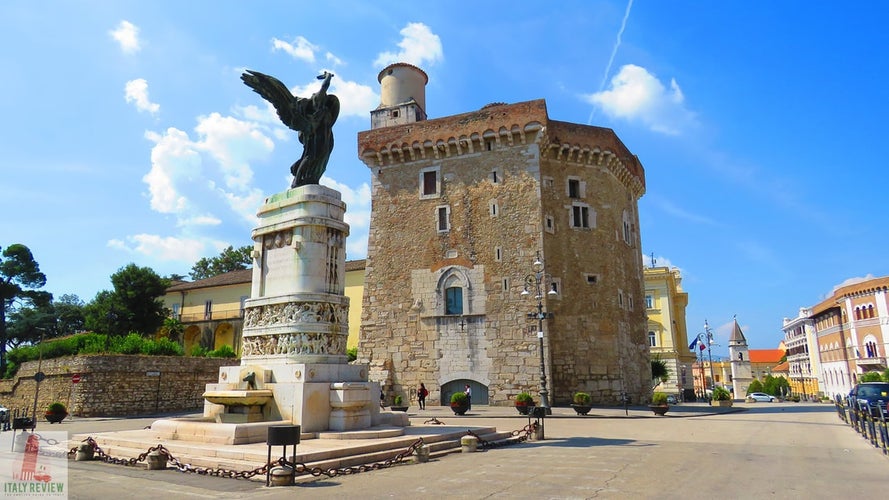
x=55 y=417
x=524 y=408
x=721 y=403
x=459 y=408
x=582 y=409
x=660 y=410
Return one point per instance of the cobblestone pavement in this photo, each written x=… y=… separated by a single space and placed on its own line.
x=777 y=450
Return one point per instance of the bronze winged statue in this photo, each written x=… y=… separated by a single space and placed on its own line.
x=312 y=117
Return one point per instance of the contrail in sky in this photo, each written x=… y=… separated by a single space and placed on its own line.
x=623 y=26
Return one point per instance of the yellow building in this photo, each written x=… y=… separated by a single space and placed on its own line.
x=665 y=304
x=212 y=309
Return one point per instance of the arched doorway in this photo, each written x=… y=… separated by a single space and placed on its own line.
x=224 y=335
x=191 y=338
x=479 y=391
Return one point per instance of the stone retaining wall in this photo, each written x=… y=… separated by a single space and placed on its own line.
x=114 y=385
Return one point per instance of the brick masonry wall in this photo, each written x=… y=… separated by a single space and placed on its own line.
x=114 y=385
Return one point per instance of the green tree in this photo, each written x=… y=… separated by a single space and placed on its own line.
x=776 y=386
x=133 y=306
x=755 y=386
x=870 y=377
x=20 y=281
x=231 y=259
x=659 y=371
x=69 y=314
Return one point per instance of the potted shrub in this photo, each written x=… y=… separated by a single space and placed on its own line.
x=582 y=403
x=659 y=403
x=398 y=404
x=721 y=397
x=459 y=403
x=523 y=403
x=55 y=413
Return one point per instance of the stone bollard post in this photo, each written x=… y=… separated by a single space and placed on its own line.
x=157 y=460
x=422 y=454
x=84 y=452
x=469 y=444
x=281 y=475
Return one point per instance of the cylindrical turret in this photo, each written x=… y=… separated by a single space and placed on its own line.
x=401 y=82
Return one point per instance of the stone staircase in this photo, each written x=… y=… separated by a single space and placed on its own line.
x=331 y=452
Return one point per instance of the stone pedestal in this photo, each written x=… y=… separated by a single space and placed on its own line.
x=296 y=321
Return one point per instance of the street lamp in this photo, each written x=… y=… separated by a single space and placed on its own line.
x=38 y=377
x=538 y=280
x=707 y=338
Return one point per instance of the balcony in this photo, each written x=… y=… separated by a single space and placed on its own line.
x=872 y=362
x=213 y=315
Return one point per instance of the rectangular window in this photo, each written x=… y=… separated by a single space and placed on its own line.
x=550 y=224
x=430 y=182
x=573 y=188
x=208 y=309
x=494 y=177
x=591 y=279
x=494 y=209
x=649 y=302
x=580 y=216
x=498 y=254
x=652 y=339
x=505 y=284
x=454 y=300
x=176 y=311
x=444 y=224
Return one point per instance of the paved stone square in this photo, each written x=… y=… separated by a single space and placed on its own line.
x=776 y=450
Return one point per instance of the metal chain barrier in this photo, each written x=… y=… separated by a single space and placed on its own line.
x=298 y=467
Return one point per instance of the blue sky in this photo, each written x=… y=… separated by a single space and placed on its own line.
x=127 y=135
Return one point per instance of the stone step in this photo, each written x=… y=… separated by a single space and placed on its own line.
x=130 y=444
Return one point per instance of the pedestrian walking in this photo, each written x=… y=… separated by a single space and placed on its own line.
x=421 y=395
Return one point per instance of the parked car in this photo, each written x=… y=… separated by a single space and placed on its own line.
x=761 y=397
x=872 y=394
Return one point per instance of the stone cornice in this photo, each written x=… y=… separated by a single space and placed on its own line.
x=507 y=125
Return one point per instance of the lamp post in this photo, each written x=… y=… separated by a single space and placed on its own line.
x=538 y=280
x=707 y=338
x=38 y=377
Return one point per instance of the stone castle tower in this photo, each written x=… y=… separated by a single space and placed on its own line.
x=462 y=207
x=742 y=370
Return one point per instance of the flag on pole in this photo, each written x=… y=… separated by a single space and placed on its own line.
x=691 y=347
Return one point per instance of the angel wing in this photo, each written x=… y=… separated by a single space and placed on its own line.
x=272 y=90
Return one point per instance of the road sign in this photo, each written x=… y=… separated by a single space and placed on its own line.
x=75 y=379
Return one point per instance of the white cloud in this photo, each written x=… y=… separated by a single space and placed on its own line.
x=167 y=248
x=357 y=215
x=672 y=209
x=127 y=36
x=136 y=91
x=637 y=95
x=174 y=160
x=851 y=281
x=300 y=49
x=658 y=261
x=232 y=143
x=332 y=59
x=355 y=99
x=419 y=46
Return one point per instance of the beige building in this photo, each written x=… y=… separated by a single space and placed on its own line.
x=462 y=207
x=852 y=332
x=212 y=309
x=803 y=368
x=665 y=304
